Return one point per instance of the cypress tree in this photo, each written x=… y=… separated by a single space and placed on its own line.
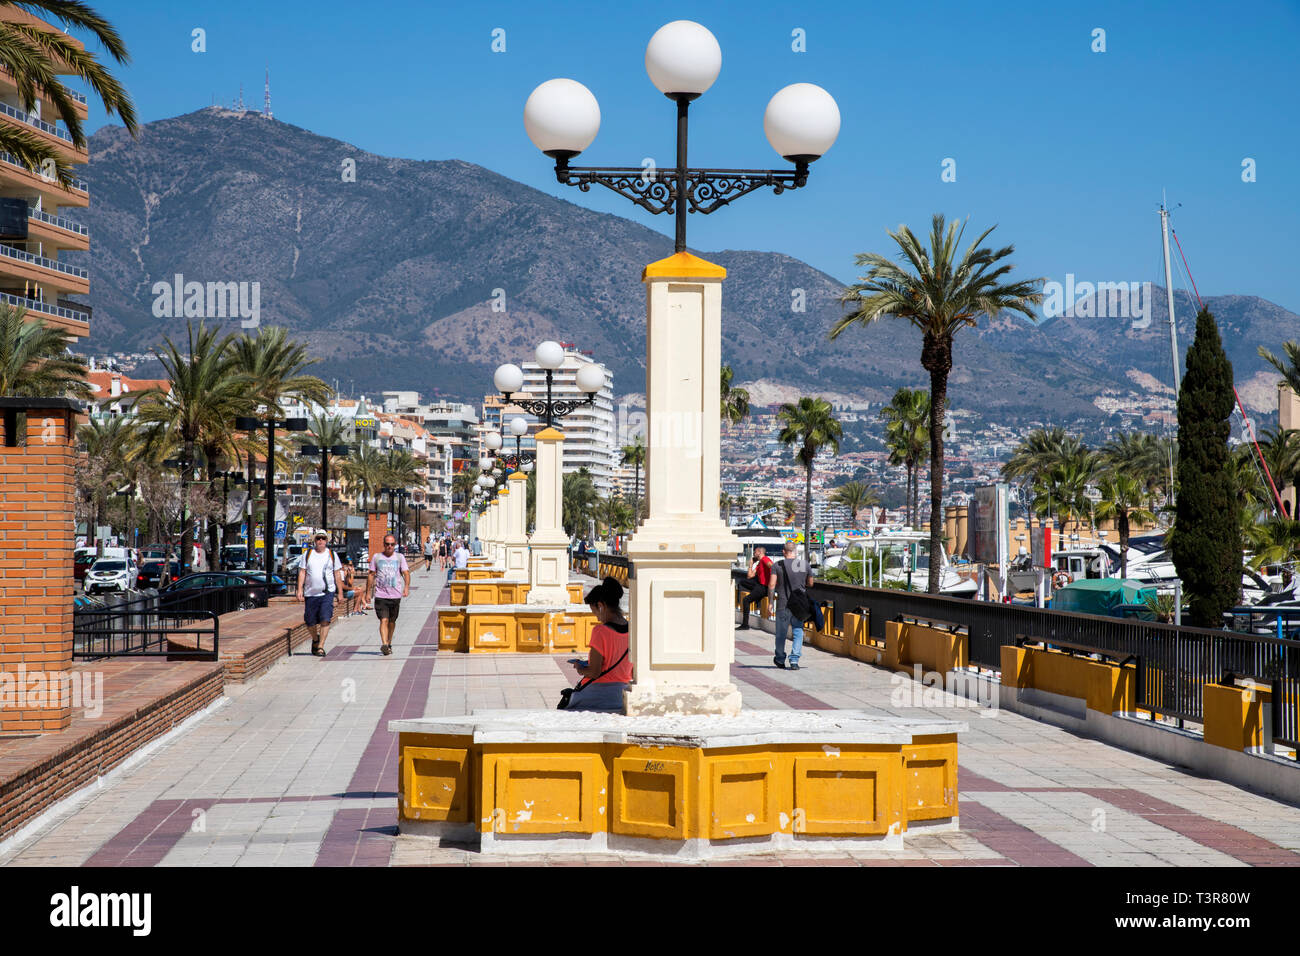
x=1205 y=542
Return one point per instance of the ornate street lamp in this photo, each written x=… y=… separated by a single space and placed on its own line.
x=683 y=59
x=509 y=379
x=248 y=424
x=681 y=635
x=521 y=460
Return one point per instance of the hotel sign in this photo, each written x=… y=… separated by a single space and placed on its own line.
x=364 y=422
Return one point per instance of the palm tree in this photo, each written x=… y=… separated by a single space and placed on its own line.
x=1277 y=541
x=1281 y=450
x=1124 y=498
x=579 y=499
x=1288 y=369
x=942 y=292
x=907 y=427
x=614 y=513
x=634 y=454
x=35 y=57
x=735 y=400
x=274 y=365
x=855 y=496
x=1061 y=491
x=34 y=358
x=812 y=426
x=724 y=504
x=1144 y=457
x=327 y=431
x=197 y=412
x=107 y=444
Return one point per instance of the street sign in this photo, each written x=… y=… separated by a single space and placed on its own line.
x=280 y=530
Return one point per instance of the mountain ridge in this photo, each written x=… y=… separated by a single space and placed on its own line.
x=427 y=274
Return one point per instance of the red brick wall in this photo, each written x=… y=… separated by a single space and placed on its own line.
x=36 y=584
x=378 y=526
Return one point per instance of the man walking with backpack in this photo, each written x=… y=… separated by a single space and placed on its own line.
x=790 y=577
x=320 y=578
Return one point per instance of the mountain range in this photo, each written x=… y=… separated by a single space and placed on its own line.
x=426 y=275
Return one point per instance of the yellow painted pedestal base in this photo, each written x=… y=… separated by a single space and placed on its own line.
x=496 y=591
x=686 y=787
x=515 y=628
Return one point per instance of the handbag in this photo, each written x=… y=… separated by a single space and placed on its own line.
x=567 y=694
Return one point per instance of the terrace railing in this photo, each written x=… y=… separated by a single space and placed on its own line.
x=1177 y=661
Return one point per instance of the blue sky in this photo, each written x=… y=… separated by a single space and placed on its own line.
x=1065 y=149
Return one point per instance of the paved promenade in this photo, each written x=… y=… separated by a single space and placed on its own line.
x=298 y=769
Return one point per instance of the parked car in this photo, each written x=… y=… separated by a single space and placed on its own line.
x=109 y=574
x=82 y=559
x=218 y=591
x=151 y=573
x=278 y=585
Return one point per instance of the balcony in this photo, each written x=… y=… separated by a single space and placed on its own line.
x=58 y=221
x=75 y=318
x=40 y=124
x=44 y=263
x=78 y=185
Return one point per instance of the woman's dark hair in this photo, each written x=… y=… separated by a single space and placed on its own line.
x=608 y=592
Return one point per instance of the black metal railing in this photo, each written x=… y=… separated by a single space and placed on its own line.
x=179 y=624
x=146 y=625
x=1176 y=661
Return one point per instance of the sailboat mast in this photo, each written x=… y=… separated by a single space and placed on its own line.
x=1169 y=291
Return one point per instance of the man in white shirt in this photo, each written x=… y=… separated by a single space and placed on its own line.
x=461 y=555
x=320 y=577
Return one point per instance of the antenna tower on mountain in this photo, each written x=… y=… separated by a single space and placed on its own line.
x=266 y=99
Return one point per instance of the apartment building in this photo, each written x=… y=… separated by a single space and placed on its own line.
x=34 y=229
x=589 y=431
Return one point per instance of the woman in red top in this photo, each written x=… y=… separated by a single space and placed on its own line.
x=609 y=670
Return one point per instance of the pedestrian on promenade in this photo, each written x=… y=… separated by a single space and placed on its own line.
x=444 y=552
x=428 y=553
x=461 y=556
x=756 y=585
x=609 y=670
x=789 y=575
x=320 y=577
x=349 y=579
x=476 y=547
x=389 y=582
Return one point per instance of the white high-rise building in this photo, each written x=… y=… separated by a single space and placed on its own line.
x=590 y=438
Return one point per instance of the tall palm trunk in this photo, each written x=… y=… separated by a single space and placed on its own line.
x=807 y=517
x=908 y=496
x=936 y=358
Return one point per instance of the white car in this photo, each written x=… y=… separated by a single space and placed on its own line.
x=109 y=574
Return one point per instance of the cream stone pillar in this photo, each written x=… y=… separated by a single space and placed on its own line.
x=497 y=522
x=516 y=541
x=548 y=569
x=681 y=608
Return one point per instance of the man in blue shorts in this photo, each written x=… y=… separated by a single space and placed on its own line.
x=320 y=578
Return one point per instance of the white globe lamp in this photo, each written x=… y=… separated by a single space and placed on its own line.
x=683 y=59
x=562 y=118
x=801 y=122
